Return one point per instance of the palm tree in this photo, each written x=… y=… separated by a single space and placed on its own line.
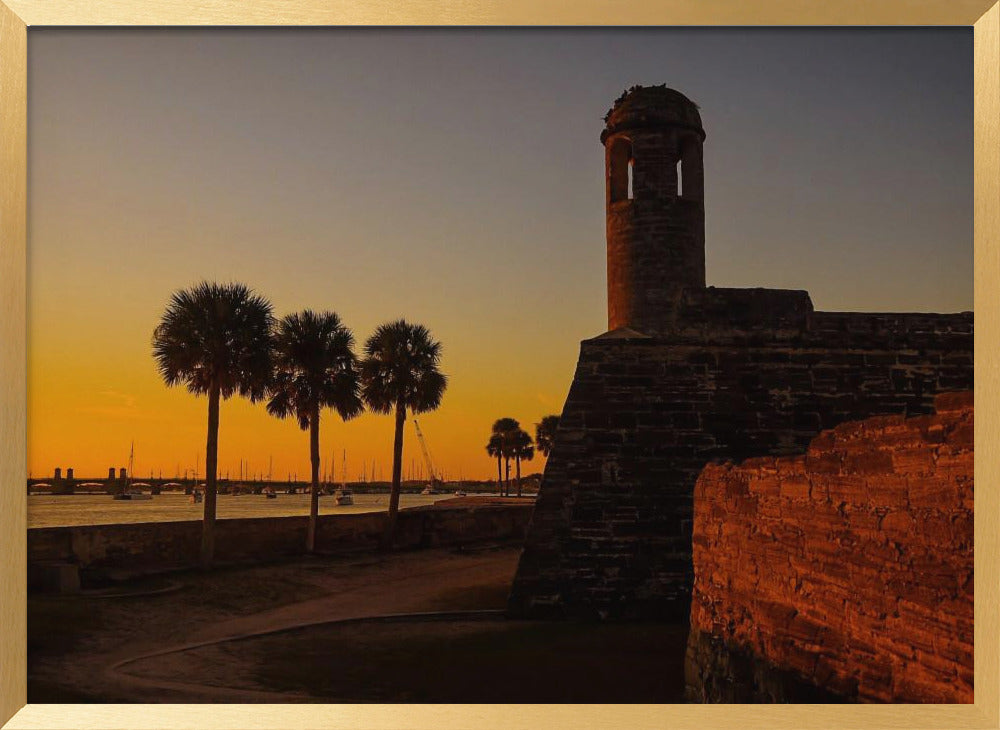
x=315 y=368
x=400 y=372
x=495 y=448
x=216 y=340
x=521 y=447
x=545 y=434
x=504 y=429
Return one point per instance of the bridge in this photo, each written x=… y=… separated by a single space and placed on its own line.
x=115 y=483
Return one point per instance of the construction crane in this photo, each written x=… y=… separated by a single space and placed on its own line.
x=435 y=482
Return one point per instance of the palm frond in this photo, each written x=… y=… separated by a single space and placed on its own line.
x=521 y=445
x=545 y=434
x=215 y=333
x=401 y=367
x=494 y=446
x=315 y=368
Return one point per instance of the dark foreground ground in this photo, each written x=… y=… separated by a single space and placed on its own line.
x=269 y=634
x=448 y=661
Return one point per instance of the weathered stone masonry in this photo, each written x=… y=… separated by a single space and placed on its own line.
x=849 y=568
x=152 y=547
x=688 y=374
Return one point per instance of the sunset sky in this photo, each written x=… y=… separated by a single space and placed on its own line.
x=454 y=178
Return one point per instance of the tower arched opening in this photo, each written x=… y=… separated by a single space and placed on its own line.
x=620 y=170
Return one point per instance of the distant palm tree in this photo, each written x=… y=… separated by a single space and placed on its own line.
x=400 y=372
x=521 y=448
x=495 y=448
x=545 y=434
x=216 y=340
x=315 y=368
x=503 y=429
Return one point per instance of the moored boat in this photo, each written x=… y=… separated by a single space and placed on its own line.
x=344 y=496
x=127 y=493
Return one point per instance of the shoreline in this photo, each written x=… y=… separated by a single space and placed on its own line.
x=82 y=510
x=66 y=558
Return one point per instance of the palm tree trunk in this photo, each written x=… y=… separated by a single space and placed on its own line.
x=499 y=476
x=506 y=486
x=211 y=463
x=397 y=465
x=518 y=460
x=314 y=497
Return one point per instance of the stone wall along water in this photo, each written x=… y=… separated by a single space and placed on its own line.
x=151 y=547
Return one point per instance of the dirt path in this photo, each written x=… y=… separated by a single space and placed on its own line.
x=93 y=637
x=401 y=586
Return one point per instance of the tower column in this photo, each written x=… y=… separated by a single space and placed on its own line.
x=655 y=211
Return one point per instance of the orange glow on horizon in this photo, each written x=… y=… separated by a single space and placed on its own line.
x=92 y=394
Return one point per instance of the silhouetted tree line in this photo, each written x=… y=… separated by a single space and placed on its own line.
x=509 y=442
x=222 y=340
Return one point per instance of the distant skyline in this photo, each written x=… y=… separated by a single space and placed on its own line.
x=453 y=177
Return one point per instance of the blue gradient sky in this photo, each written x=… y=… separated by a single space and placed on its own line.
x=454 y=177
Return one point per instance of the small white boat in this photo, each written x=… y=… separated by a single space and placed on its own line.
x=344 y=497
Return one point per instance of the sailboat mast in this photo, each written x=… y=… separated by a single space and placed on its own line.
x=131 y=464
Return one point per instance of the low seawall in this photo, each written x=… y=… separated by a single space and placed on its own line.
x=848 y=570
x=152 y=547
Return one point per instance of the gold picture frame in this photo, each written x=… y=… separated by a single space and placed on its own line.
x=17 y=16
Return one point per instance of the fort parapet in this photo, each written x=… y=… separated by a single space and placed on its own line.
x=688 y=374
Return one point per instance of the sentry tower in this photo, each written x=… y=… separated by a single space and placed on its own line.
x=655 y=206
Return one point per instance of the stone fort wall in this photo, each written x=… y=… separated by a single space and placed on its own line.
x=688 y=374
x=739 y=374
x=849 y=568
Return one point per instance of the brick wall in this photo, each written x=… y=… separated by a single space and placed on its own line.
x=740 y=373
x=849 y=567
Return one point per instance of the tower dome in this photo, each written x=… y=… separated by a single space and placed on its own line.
x=652 y=106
